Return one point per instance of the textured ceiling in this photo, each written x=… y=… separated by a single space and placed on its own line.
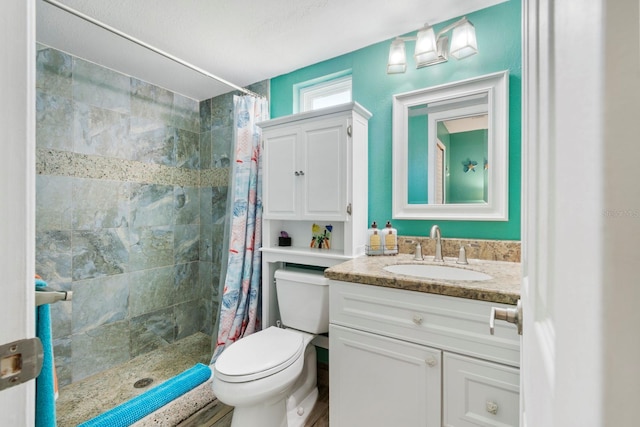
x=241 y=41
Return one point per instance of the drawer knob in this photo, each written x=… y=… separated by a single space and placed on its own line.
x=417 y=319
x=492 y=407
x=432 y=361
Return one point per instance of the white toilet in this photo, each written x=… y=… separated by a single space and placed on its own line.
x=270 y=376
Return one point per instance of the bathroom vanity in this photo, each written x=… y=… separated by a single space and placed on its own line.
x=414 y=351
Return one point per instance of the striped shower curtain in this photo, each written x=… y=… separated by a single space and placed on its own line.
x=240 y=308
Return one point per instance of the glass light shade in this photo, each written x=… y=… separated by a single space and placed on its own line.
x=397 y=58
x=426 y=49
x=463 y=41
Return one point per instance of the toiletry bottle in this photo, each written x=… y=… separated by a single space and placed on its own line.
x=375 y=241
x=390 y=240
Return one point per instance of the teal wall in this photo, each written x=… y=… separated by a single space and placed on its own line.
x=418 y=155
x=498 y=31
x=467 y=187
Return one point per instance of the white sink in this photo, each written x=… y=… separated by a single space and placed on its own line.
x=442 y=272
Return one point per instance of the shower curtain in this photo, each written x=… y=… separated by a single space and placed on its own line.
x=240 y=307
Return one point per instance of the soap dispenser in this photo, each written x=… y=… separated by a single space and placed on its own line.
x=390 y=239
x=375 y=240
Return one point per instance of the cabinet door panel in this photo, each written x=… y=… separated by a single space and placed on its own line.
x=324 y=168
x=279 y=180
x=379 y=381
x=479 y=393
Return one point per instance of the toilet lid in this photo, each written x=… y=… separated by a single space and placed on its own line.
x=259 y=355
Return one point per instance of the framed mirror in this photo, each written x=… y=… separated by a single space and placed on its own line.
x=450 y=151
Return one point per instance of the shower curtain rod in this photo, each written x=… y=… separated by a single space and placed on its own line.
x=148 y=46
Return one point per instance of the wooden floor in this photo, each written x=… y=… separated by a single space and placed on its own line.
x=319 y=416
x=217 y=414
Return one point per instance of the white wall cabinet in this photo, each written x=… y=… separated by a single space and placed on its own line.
x=314 y=171
x=415 y=359
x=305 y=170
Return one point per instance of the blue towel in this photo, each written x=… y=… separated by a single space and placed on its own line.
x=140 y=406
x=45 y=383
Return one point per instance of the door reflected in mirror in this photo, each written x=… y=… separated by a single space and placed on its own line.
x=450 y=151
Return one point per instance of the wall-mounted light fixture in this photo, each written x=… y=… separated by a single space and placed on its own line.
x=431 y=49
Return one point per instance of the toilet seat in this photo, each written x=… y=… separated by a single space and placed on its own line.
x=260 y=355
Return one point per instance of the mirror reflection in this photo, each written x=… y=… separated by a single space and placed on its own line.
x=452 y=165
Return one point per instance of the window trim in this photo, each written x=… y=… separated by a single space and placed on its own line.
x=306 y=93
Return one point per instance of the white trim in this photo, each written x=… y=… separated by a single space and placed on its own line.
x=17 y=178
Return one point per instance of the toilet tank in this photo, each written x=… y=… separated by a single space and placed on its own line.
x=303 y=298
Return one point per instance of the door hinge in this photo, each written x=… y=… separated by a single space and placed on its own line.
x=349 y=130
x=20 y=361
x=349 y=209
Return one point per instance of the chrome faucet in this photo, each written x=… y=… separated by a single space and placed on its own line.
x=435 y=234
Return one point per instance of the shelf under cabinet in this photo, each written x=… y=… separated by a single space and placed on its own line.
x=303 y=255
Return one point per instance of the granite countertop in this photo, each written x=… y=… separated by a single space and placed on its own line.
x=504 y=287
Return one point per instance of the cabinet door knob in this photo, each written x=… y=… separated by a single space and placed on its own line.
x=432 y=361
x=301 y=173
x=417 y=319
x=296 y=173
x=492 y=407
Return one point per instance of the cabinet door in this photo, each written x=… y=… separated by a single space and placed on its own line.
x=479 y=393
x=324 y=164
x=380 y=381
x=281 y=148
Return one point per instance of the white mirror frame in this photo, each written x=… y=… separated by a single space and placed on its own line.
x=496 y=86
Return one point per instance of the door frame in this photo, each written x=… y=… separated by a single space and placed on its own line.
x=17 y=181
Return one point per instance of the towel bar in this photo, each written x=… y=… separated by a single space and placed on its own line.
x=45 y=295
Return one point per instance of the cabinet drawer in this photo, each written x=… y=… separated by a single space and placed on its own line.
x=456 y=324
x=479 y=393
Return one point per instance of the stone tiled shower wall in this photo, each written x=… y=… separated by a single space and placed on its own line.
x=130 y=210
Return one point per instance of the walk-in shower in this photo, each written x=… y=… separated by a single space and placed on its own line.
x=131 y=200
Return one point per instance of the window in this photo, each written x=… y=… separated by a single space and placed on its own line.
x=323 y=92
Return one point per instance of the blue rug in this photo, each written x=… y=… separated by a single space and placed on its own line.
x=140 y=406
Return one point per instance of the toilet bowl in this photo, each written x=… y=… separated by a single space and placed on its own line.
x=269 y=377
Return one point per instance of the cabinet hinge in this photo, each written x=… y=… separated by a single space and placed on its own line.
x=349 y=130
x=349 y=209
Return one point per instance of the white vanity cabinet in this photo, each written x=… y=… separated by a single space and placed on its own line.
x=380 y=381
x=408 y=358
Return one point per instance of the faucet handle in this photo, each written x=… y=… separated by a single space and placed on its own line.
x=462 y=256
x=418 y=253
